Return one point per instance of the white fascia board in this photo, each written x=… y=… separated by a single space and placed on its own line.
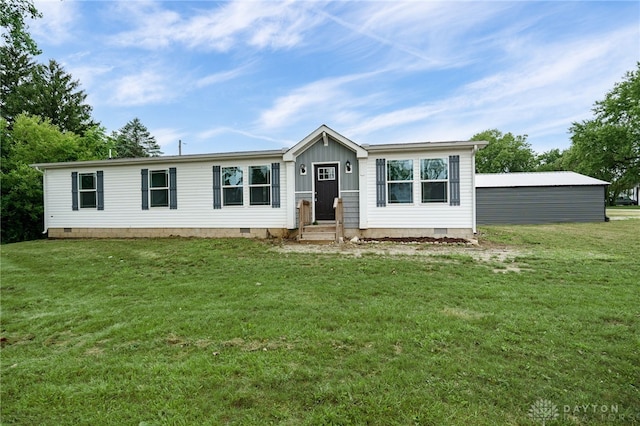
x=424 y=146
x=174 y=159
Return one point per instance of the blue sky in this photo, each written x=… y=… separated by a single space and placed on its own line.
x=250 y=75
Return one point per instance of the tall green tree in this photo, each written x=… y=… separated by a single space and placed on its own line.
x=504 y=153
x=16 y=73
x=608 y=145
x=134 y=140
x=549 y=161
x=13 y=16
x=54 y=94
x=34 y=140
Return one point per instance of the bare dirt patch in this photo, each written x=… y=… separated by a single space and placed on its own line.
x=501 y=256
x=488 y=253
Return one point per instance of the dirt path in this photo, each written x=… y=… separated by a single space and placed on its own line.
x=475 y=251
x=620 y=214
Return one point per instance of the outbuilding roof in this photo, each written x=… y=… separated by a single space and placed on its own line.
x=505 y=180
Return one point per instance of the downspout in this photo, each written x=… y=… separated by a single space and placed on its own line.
x=44 y=197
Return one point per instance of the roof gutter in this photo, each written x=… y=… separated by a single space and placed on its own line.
x=401 y=147
x=163 y=159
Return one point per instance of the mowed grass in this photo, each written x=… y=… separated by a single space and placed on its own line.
x=233 y=331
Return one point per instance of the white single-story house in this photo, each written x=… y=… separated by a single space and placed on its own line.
x=325 y=184
x=539 y=197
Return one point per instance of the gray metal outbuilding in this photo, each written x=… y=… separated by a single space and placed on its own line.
x=539 y=197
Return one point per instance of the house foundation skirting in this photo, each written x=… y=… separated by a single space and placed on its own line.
x=466 y=233
x=259 y=233
x=167 y=232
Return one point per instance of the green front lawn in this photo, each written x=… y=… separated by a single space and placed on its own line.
x=196 y=331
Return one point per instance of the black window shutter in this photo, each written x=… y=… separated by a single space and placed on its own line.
x=454 y=180
x=173 y=191
x=100 y=189
x=275 y=185
x=381 y=182
x=145 y=189
x=217 y=188
x=74 y=190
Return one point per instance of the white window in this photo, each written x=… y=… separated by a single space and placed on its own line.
x=259 y=185
x=232 y=186
x=400 y=181
x=434 y=178
x=159 y=188
x=87 y=190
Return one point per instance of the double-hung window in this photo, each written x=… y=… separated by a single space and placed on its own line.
x=259 y=185
x=434 y=180
x=88 y=190
x=400 y=181
x=159 y=188
x=232 y=186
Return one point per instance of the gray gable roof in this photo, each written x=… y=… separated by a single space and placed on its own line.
x=362 y=151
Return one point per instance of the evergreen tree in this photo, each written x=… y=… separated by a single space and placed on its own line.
x=53 y=94
x=16 y=72
x=134 y=140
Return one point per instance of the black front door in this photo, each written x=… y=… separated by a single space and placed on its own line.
x=326 y=183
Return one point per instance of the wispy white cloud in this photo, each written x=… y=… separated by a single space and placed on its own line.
x=330 y=98
x=167 y=138
x=146 y=87
x=88 y=74
x=154 y=24
x=424 y=34
x=220 y=77
x=58 y=21
x=273 y=25
x=539 y=95
x=215 y=132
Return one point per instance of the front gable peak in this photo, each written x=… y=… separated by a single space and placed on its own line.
x=323 y=133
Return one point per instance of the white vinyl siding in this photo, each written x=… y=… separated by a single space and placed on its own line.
x=420 y=215
x=195 y=198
